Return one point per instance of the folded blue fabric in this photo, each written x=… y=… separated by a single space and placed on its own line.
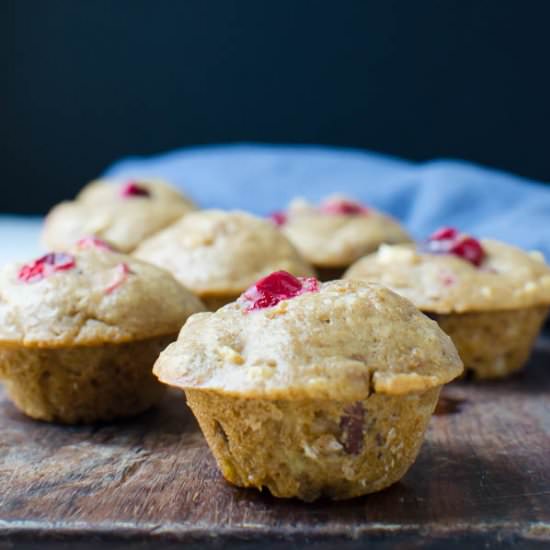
x=261 y=179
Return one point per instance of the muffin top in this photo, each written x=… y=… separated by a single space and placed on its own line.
x=121 y=213
x=89 y=296
x=290 y=338
x=455 y=273
x=217 y=253
x=338 y=231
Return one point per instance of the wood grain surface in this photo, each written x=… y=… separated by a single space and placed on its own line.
x=482 y=479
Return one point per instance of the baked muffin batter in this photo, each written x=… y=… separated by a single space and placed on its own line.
x=490 y=297
x=334 y=234
x=312 y=389
x=80 y=331
x=121 y=213
x=219 y=254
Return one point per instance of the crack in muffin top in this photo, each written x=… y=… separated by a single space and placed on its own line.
x=338 y=231
x=89 y=297
x=218 y=253
x=122 y=213
x=341 y=341
x=506 y=278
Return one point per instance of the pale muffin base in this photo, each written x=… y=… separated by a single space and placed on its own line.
x=494 y=344
x=83 y=384
x=308 y=449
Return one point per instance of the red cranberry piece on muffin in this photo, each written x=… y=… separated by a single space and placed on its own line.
x=343 y=206
x=94 y=242
x=134 y=189
x=45 y=266
x=270 y=290
x=278 y=218
x=449 y=240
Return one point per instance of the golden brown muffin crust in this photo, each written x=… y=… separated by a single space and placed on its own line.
x=106 y=298
x=83 y=383
x=337 y=240
x=217 y=253
x=101 y=210
x=508 y=278
x=344 y=342
x=494 y=344
x=322 y=448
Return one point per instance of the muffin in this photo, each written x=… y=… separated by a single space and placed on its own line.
x=121 y=213
x=490 y=297
x=312 y=389
x=334 y=234
x=220 y=254
x=80 y=332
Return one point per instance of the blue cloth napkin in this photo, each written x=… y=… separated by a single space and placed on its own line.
x=262 y=179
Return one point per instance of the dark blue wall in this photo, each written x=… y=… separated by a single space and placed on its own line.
x=90 y=81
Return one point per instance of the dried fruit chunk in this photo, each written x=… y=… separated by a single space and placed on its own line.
x=448 y=240
x=134 y=189
x=351 y=426
x=122 y=272
x=444 y=234
x=470 y=249
x=94 y=242
x=278 y=218
x=274 y=288
x=45 y=266
x=343 y=206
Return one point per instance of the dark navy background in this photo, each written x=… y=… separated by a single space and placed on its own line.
x=91 y=81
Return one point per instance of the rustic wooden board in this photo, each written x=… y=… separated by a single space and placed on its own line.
x=482 y=478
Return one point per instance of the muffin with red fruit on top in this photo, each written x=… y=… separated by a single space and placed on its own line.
x=335 y=233
x=80 y=331
x=311 y=389
x=123 y=213
x=219 y=254
x=490 y=297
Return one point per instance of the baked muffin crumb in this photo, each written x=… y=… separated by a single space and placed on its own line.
x=80 y=331
x=346 y=374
